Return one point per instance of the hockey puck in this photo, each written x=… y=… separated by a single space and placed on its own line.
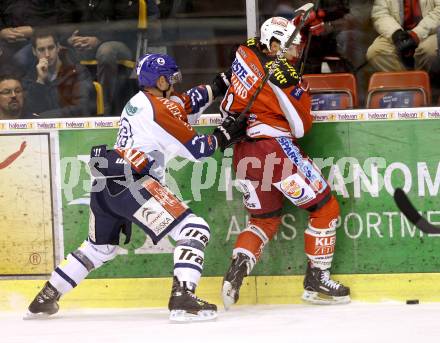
x=412 y=302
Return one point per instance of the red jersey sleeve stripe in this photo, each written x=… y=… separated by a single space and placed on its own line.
x=171 y=123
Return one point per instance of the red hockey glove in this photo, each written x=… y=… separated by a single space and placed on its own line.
x=316 y=22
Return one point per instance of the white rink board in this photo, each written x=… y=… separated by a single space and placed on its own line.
x=358 y=115
x=353 y=323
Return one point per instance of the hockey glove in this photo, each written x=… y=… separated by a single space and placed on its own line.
x=230 y=131
x=221 y=83
x=199 y=98
x=315 y=23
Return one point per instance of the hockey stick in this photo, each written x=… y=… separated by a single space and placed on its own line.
x=305 y=11
x=305 y=54
x=404 y=204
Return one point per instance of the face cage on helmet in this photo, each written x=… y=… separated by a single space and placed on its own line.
x=294 y=53
x=175 y=78
x=296 y=50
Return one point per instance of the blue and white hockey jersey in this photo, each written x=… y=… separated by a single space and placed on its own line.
x=155 y=129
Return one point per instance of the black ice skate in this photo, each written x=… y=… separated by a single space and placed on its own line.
x=45 y=303
x=240 y=267
x=320 y=289
x=185 y=306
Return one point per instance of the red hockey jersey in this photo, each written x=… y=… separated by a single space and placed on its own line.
x=283 y=106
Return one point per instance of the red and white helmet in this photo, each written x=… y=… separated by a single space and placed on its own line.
x=279 y=28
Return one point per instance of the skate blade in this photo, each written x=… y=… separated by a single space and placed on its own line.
x=228 y=295
x=317 y=298
x=36 y=316
x=182 y=316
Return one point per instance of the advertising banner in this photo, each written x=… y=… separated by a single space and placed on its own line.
x=363 y=162
x=26 y=224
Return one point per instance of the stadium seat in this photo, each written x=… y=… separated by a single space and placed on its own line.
x=125 y=63
x=99 y=98
x=142 y=41
x=399 y=89
x=334 y=91
x=125 y=86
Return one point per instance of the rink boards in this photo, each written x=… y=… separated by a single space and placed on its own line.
x=154 y=292
x=364 y=154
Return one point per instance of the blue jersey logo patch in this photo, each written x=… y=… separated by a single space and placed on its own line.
x=297 y=92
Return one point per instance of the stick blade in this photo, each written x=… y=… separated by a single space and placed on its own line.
x=407 y=208
x=305 y=8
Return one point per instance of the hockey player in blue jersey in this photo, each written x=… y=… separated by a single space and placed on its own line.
x=130 y=187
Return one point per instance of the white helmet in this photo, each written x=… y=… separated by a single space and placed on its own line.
x=279 y=28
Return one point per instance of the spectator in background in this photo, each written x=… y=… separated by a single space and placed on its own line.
x=17 y=21
x=57 y=86
x=407 y=38
x=106 y=31
x=11 y=97
x=340 y=29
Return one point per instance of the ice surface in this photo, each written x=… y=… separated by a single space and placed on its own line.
x=353 y=323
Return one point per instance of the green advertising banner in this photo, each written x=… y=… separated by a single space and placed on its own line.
x=363 y=161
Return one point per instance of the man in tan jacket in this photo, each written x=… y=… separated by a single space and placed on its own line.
x=407 y=34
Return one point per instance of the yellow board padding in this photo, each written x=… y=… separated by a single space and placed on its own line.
x=154 y=292
x=26 y=232
x=364 y=287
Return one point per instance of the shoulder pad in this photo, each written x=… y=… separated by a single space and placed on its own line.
x=285 y=75
x=251 y=42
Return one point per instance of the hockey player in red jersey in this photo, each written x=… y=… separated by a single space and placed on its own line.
x=270 y=166
x=129 y=187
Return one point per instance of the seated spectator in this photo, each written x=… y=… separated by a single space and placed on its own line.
x=17 y=21
x=106 y=31
x=56 y=86
x=11 y=97
x=407 y=34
